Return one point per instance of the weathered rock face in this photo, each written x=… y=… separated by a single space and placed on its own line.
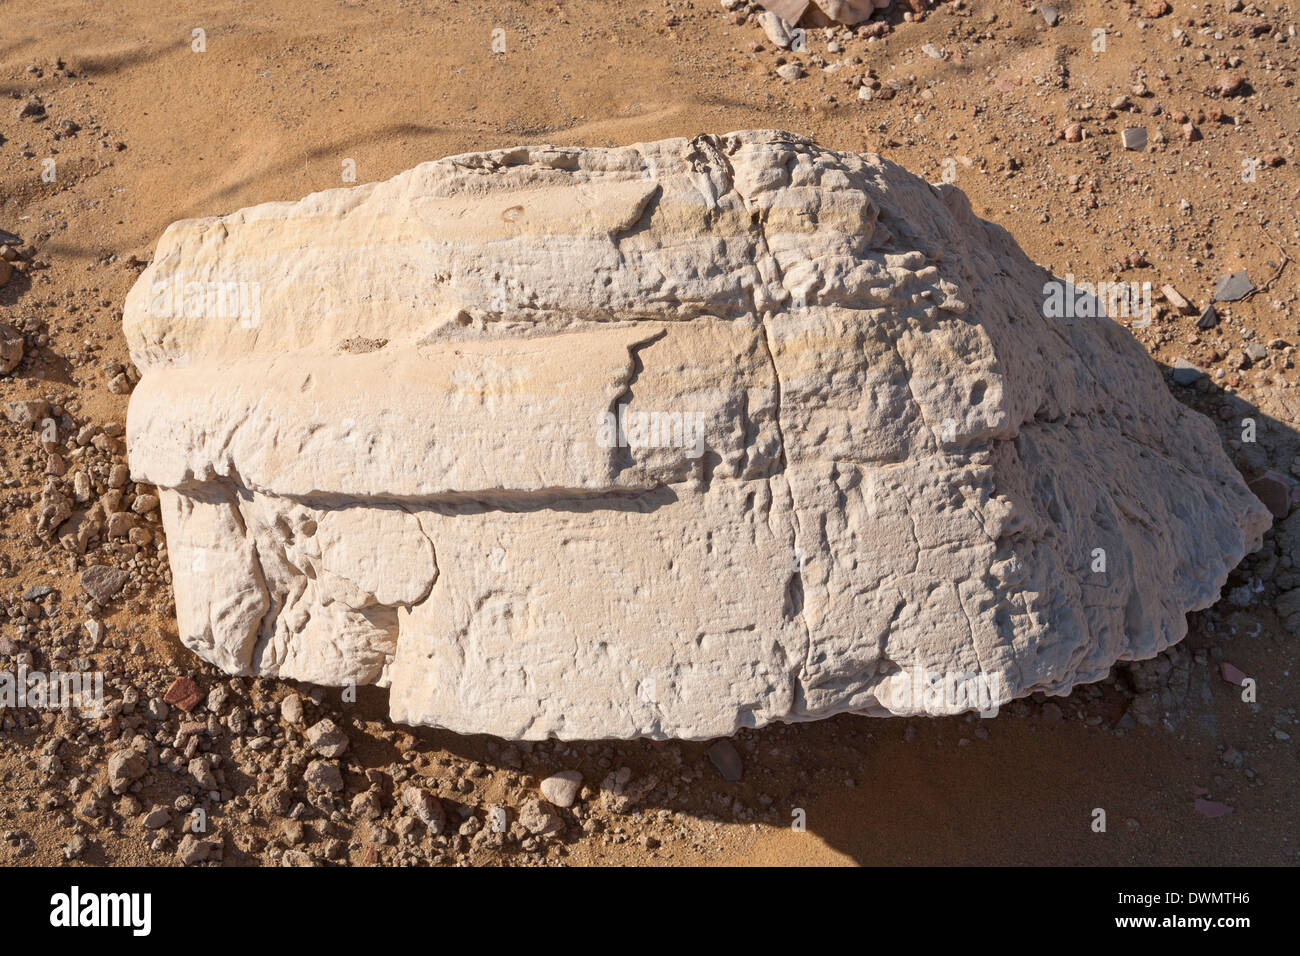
x=664 y=440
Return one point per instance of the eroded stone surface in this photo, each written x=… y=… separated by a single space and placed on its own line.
x=376 y=418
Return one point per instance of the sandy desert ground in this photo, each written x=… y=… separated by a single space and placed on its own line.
x=143 y=130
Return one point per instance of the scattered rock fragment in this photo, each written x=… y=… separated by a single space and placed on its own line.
x=367 y=805
x=788 y=10
x=1231 y=673
x=125 y=767
x=1231 y=84
x=562 y=788
x=324 y=775
x=200 y=769
x=30 y=108
x=120 y=524
x=539 y=819
x=75 y=847
x=157 y=818
x=620 y=793
x=1185 y=373
x=120 y=384
x=192 y=850
x=11 y=347
x=1176 y=300
x=1212 y=808
x=53 y=509
x=291 y=709
x=1232 y=287
x=184 y=693
x=327 y=738
x=426 y=807
x=1278 y=491
x=26 y=412
x=103 y=583
x=777 y=30
x=1134 y=137
x=725 y=757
